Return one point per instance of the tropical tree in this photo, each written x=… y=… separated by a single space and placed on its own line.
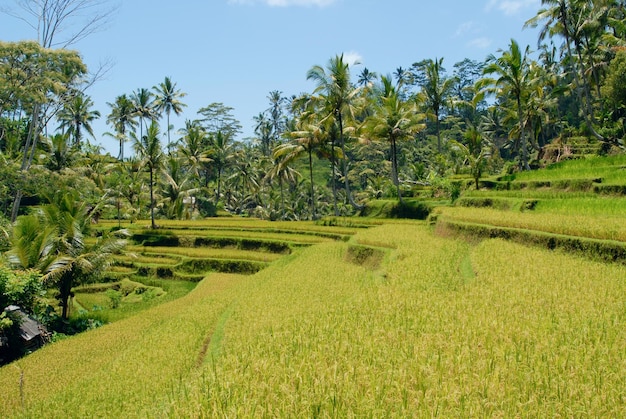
x=193 y=148
x=61 y=154
x=393 y=120
x=168 y=100
x=283 y=172
x=338 y=99
x=122 y=117
x=512 y=80
x=366 y=77
x=436 y=93
x=76 y=115
x=52 y=240
x=307 y=139
x=568 y=18
x=143 y=104
x=475 y=152
x=221 y=152
x=148 y=149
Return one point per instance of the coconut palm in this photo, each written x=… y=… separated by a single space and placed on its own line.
x=221 y=153
x=308 y=139
x=122 y=117
x=52 y=240
x=393 y=120
x=568 y=18
x=338 y=99
x=167 y=100
x=76 y=116
x=436 y=93
x=513 y=80
x=144 y=106
x=193 y=148
x=148 y=149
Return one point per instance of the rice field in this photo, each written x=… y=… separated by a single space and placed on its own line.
x=441 y=327
x=596 y=227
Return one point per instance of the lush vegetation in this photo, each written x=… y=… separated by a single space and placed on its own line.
x=350 y=260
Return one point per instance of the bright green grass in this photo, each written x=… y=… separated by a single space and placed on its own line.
x=611 y=169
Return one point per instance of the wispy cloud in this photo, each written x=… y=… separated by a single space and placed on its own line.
x=467 y=28
x=352 y=58
x=286 y=3
x=480 y=43
x=512 y=7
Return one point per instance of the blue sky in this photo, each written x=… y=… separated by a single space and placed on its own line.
x=237 y=51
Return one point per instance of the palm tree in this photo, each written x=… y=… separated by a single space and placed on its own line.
x=167 y=99
x=221 y=153
x=567 y=19
x=338 y=98
x=61 y=152
x=366 y=77
x=436 y=93
x=263 y=130
x=76 y=114
x=148 y=149
x=475 y=152
x=512 y=81
x=393 y=120
x=52 y=240
x=193 y=147
x=178 y=187
x=308 y=138
x=122 y=117
x=283 y=172
x=144 y=106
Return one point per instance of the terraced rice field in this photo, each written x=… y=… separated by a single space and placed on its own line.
x=396 y=322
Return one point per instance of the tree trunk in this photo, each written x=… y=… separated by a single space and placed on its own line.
x=313 y=216
x=151 y=201
x=394 y=168
x=27 y=158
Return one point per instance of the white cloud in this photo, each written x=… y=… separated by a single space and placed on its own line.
x=467 y=28
x=352 y=58
x=286 y=3
x=481 y=43
x=512 y=7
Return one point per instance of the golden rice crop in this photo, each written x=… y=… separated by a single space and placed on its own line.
x=441 y=328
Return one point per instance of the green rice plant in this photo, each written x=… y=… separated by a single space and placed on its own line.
x=597 y=227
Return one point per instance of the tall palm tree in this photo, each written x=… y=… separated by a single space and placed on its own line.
x=393 y=120
x=144 y=106
x=76 y=115
x=148 y=149
x=193 y=148
x=512 y=80
x=366 y=77
x=308 y=138
x=221 y=153
x=436 y=93
x=122 y=117
x=168 y=100
x=339 y=99
x=566 y=18
x=282 y=171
